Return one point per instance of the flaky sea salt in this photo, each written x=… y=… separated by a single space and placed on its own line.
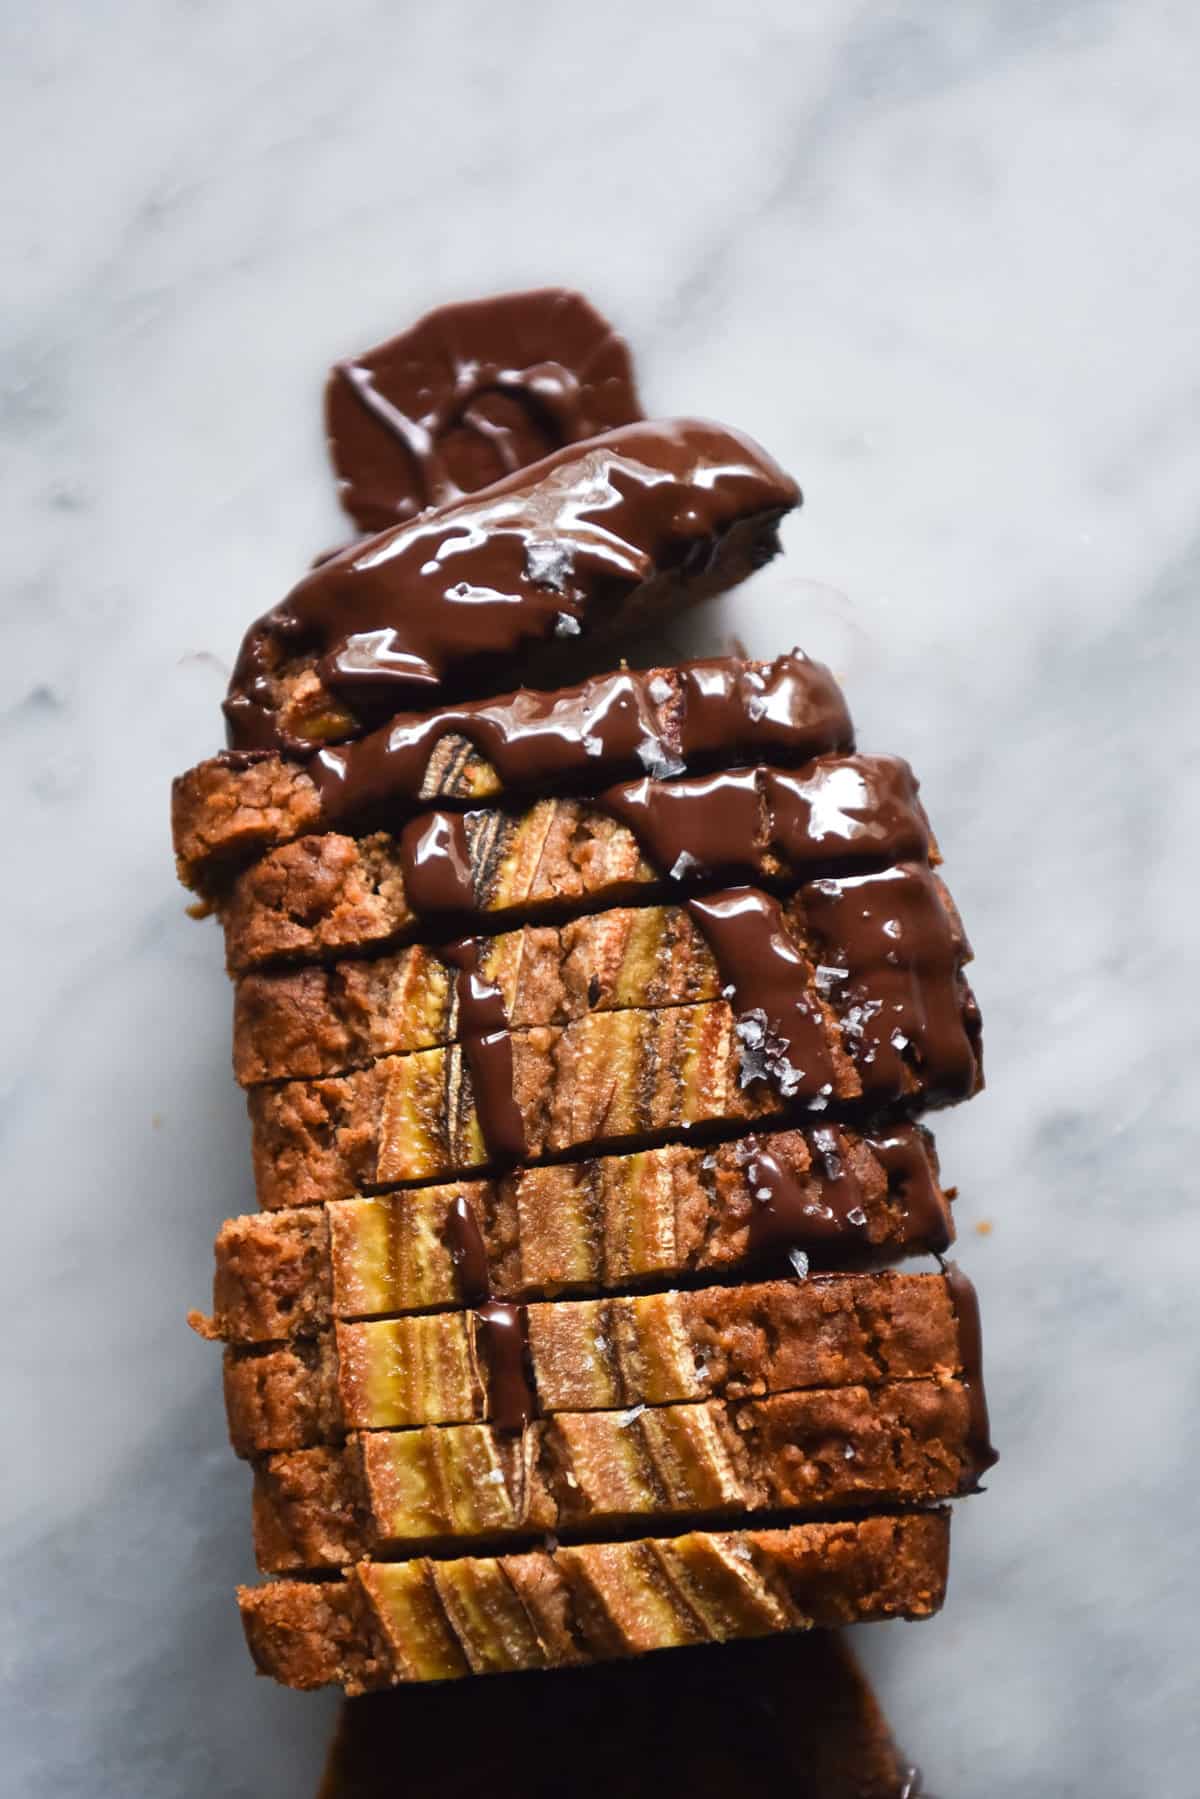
x=548 y=564
x=655 y=760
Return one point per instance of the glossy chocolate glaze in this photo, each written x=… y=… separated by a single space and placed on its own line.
x=840 y=811
x=786 y=1217
x=502 y=1328
x=544 y=553
x=468 y=394
x=970 y=1335
x=487 y=1045
x=837 y=813
x=851 y=808
x=468 y=1252
x=601 y=730
x=893 y=959
x=437 y=866
x=781 y=1030
x=504 y=1338
x=906 y=1162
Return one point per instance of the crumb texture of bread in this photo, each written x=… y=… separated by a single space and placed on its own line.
x=386 y=1623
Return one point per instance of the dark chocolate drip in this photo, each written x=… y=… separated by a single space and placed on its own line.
x=502 y=1327
x=472 y=392
x=522 y=561
x=970 y=1343
x=487 y=1044
x=893 y=964
x=780 y=1026
x=695 y=828
x=468 y=1252
x=504 y=1330
x=794 y=1213
x=661 y=720
x=904 y=1156
x=754 y=822
x=839 y=812
x=789 y=1213
x=548 y=390
x=435 y=861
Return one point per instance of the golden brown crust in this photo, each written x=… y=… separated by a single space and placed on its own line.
x=389 y=1492
x=599 y=1355
x=571 y=1228
x=434 y=1620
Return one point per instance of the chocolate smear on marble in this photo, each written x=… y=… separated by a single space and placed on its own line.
x=470 y=393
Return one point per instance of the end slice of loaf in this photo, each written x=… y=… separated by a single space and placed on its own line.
x=386 y=1623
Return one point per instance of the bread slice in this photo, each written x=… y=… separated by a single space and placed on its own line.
x=389 y=1622
x=592 y=542
x=790 y=1714
x=597 y=1355
x=328 y=894
x=385 y=1493
x=611 y=1080
x=309 y=1023
x=574 y=1227
x=232 y=808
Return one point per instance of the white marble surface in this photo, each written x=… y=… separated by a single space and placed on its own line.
x=943 y=260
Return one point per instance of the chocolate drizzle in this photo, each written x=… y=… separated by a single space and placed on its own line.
x=532 y=556
x=894 y=958
x=505 y=1335
x=970 y=1338
x=470 y=393
x=788 y=1213
x=781 y=1029
x=838 y=812
x=784 y=1214
x=487 y=1045
x=436 y=863
x=502 y=1328
x=657 y=721
x=905 y=1160
x=468 y=1252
